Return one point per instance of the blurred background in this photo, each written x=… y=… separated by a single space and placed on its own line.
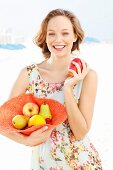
x=20 y=21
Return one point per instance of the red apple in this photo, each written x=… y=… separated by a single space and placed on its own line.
x=30 y=109
x=73 y=67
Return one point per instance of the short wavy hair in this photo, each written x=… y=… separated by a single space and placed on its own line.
x=40 y=38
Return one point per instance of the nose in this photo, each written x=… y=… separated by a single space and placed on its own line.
x=58 y=38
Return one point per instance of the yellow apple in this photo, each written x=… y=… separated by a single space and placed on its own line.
x=19 y=121
x=36 y=120
x=30 y=109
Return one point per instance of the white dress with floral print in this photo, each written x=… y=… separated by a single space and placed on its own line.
x=60 y=151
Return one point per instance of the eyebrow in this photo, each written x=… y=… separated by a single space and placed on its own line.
x=62 y=30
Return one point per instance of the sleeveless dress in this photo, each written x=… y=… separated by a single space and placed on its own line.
x=61 y=151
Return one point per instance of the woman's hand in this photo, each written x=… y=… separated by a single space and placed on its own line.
x=37 y=137
x=72 y=81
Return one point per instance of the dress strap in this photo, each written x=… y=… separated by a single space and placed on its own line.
x=32 y=75
x=77 y=90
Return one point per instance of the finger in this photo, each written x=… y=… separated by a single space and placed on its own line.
x=74 y=72
x=84 y=63
x=47 y=133
x=88 y=68
x=43 y=129
x=78 y=67
x=39 y=131
x=83 y=66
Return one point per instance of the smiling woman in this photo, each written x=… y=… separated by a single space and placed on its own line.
x=48 y=32
x=67 y=146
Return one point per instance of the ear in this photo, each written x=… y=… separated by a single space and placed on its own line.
x=75 y=39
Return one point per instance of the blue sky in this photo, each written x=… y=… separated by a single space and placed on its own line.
x=24 y=16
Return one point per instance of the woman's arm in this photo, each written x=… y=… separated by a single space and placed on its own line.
x=37 y=137
x=21 y=84
x=80 y=115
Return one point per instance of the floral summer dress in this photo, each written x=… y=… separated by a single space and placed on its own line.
x=60 y=151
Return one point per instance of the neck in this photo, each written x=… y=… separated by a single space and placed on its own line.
x=59 y=63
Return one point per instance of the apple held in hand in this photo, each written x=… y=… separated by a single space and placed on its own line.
x=30 y=109
x=73 y=67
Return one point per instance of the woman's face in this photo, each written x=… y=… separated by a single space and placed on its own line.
x=60 y=36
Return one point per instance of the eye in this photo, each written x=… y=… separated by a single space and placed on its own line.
x=65 y=33
x=51 y=34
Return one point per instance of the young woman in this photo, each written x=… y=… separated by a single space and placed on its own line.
x=66 y=147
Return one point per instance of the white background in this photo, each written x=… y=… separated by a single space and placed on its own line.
x=99 y=57
x=23 y=18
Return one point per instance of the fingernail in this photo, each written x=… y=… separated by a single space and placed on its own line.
x=73 y=62
x=46 y=127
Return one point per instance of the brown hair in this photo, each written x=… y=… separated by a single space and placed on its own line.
x=40 y=38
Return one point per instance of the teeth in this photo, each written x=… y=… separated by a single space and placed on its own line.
x=59 y=46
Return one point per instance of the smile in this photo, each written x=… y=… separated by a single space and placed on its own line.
x=59 y=47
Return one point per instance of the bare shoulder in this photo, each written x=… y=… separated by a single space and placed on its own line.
x=24 y=73
x=91 y=76
x=21 y=83
x=90 y=81
x=24 y=70
x=89 y=87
